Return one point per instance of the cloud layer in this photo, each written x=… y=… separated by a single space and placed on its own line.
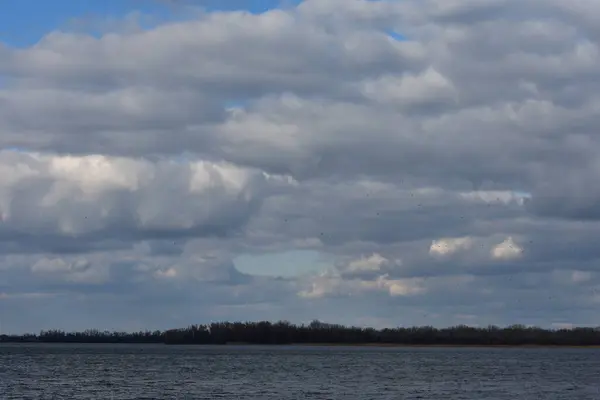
x=445 y=175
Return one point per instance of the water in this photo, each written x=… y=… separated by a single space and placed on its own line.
x=60 y=371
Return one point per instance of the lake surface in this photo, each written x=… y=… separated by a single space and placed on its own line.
x=65 y=371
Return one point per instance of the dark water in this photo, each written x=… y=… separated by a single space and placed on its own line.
x=39 y=371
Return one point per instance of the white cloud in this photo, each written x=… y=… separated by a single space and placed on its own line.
x=401 y=287
x=326 y=285
x=79 y=195
x=449 y=246
x=372 y=263
x=507 y=250
x=428 y=87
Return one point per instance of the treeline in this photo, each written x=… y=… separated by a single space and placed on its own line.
x=321 y=333
x=88 y=336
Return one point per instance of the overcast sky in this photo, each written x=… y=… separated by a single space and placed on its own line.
x=376 y=163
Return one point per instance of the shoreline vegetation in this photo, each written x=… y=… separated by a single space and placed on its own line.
x=322 y=334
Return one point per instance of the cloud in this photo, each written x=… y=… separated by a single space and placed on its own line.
x=78 y=271
x=55 y=199
x=331 y=285
x=445 y=247
x=371 y=263
x=507 y=250
x=445 y=177
x=429 y=87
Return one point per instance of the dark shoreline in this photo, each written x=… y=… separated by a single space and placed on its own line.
x=489 y=346
x=354 y=345
x=321 y=334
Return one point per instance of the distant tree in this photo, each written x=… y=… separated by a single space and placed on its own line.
x=283 y=332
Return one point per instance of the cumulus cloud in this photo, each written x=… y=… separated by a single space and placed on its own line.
x=375 y=264
x=450 y=167
x=332 y=285
x=423 y=89
x=66 y=198
x=446 y=247
x=507 y=250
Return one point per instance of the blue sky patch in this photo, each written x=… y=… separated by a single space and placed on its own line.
x=287 y=264
x=396 y=35
x=24 y=22
x=253 y=6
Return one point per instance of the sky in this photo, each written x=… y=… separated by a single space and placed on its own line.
x=372 y=163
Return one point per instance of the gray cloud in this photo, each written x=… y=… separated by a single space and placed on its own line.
x=98 y=198
x=447 y=177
